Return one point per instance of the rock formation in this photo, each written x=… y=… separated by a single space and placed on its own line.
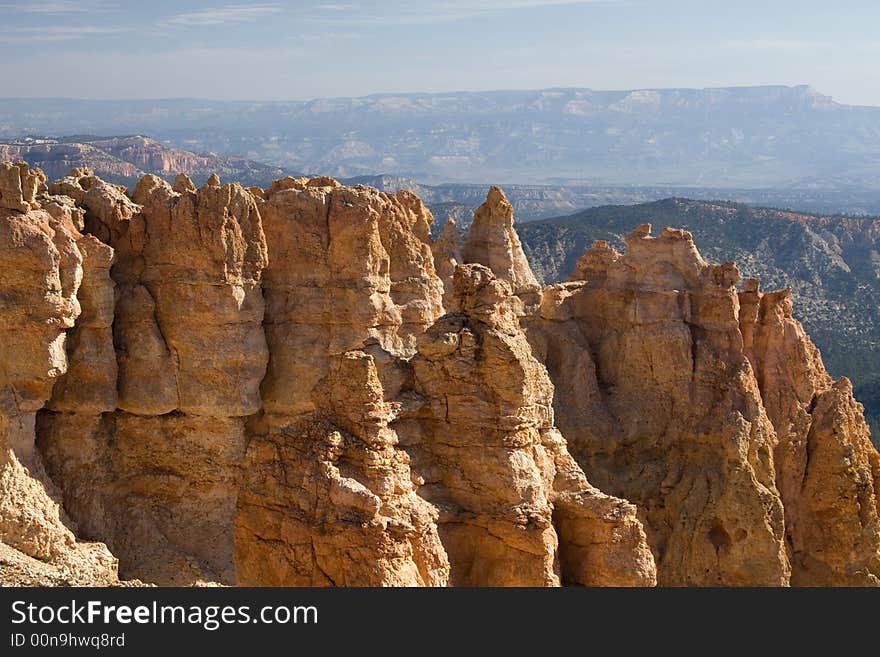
x=660 y=406
x=515 y=507
x=345 y=265
x=295 y=386
x=19 y=186
x=327 y=496
x=186 y=355
x=41 y=269
x=493 y=242
x=827 y=470
x=447 y=255
x=126 y=159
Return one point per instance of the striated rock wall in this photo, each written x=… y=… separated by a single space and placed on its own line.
x=42 y=260
x=328 y=496
x=827 y=470
x=295 y=386
x=160 y=424
x=660 y=405
x=345 y=265
x=516 y=510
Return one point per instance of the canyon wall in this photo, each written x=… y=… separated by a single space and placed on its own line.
x=516 y=510
x=827 y=470
x=43 y=257
x=147 y=437
x=295 y=386
x=706 y=408
x=328 y=496
x=658 y=400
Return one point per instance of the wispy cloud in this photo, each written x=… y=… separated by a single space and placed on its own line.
x=325 y=38
x=57 y=7
x=440 y=11
x=776 y=45
x=48 y=33
x=338 y=7
x=225 y=15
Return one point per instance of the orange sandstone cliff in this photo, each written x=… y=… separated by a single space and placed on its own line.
x=297 y=386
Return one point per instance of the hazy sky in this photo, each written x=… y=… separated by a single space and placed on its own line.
x=301 y=50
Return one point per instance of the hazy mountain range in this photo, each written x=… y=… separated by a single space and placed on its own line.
x=755 y=137
x=123 y=160
x=532 y=202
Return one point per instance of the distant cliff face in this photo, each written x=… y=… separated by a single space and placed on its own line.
x=126 y=159
x=294 y=385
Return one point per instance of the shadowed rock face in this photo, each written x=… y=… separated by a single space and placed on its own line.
x=516 y=510
x=43 y=257
x=280 y=387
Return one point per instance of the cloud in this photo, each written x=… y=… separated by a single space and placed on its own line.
x=57 y=7
x=776 y=45
x=520 y=4
x=225 y=15
x=325 y=38
x=54 y=33
x=337 y=7
x=439 y=11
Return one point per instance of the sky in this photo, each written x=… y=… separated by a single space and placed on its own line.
x=301 y=50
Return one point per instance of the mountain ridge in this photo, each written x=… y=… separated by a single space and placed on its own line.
x=726 y=136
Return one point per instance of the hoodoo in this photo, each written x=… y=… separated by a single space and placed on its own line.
x=297 y=386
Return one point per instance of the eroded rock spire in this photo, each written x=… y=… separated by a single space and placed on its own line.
x=827 y=470
x=447 y=255
x=493 y=242
x=516 y=505
x=660 y=406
